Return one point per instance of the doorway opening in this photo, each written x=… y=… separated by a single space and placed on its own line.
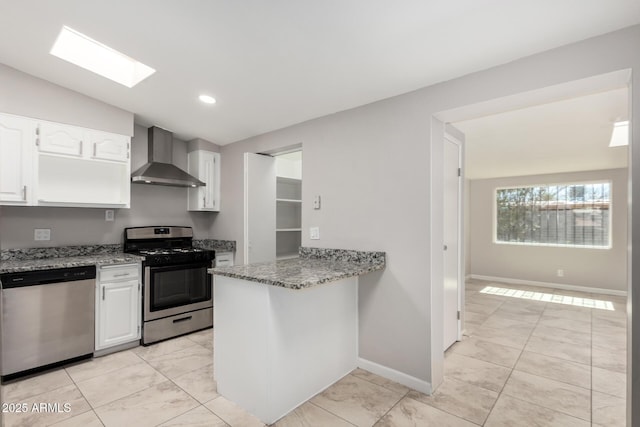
x=547 y=306
x=272 y=205
x=288 y=204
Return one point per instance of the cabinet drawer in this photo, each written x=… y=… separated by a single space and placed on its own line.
x=224 y=259
x=118 y=272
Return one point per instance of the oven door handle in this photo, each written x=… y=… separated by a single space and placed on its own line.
x=204 y=264
x=182 y=319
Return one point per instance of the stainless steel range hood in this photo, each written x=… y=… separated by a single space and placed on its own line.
x=160 y=170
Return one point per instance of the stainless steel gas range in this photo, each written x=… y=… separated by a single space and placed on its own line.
x=177 y=290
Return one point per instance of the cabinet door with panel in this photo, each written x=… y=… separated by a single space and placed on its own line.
x=118 y=312
x=108 y=146
x=17 y=137
x=205 y=165
x=57 y=138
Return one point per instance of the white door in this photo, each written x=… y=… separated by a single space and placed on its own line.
x=16 y=136
x=119 y=313
x=259 y=208
x=452 y=215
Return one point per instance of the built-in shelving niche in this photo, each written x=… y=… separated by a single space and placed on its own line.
x=288 y=204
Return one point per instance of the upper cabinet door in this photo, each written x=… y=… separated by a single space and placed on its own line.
x=17 y=136
x=208 y=166
x=204 y=165
x=61 y=139
x=109 y=146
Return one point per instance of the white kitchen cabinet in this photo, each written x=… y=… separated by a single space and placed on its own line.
x=16 y=160
x=52 y=164
x=224 y=259
x=204 y=165
x=82 y=167
x=57 y=138
x=118 y=307
x=108 y=146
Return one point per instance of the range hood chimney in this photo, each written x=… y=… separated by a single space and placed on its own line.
x=160 y=169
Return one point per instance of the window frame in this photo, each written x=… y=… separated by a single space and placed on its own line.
x=494 y=236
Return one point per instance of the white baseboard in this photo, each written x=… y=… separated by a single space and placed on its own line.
x=550 y=285
x=397 y=376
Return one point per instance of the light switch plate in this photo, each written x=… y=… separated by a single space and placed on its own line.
x=314 y=233
x=108 y=215
x=316 y=202
x=41 y=234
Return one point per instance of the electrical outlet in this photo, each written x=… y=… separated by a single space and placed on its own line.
x=41 y=234
x=109 y=215
x=560 y=272
x=314 y=233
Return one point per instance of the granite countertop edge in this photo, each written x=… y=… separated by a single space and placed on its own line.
x=66 y=262
x=45 y=258
x=307 y=271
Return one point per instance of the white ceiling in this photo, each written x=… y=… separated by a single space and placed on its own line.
x=564 y=136
x=271 y=64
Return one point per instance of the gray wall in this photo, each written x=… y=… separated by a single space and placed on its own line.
x=202 y=144
x=370 y=201
x=376 y=169
x=595 y=268
x=150 y=205
x=25 y=95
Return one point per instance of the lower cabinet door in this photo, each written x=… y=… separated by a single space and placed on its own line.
x=119 y=313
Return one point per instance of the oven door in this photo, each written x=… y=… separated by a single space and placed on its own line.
x=176 y=289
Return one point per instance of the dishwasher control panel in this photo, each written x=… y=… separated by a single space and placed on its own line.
x=43 y=277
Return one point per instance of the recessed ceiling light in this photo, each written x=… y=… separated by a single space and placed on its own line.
x=620 y=134
x=94 y=56
x=207 y=99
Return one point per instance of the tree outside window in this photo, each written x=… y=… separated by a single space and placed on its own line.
x=563 y=215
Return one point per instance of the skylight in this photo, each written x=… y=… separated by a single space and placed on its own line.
x=620 y=134
x=94 y=56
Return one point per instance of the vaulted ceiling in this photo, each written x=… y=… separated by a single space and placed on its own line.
x=271 y=64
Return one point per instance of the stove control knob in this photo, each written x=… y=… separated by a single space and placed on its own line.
x=166 y=258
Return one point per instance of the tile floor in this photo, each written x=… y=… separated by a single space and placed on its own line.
x=522 y=363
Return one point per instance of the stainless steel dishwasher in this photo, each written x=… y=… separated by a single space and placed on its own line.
x=47 y=318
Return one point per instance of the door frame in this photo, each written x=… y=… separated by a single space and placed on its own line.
x=448 y=137
x=246 y=215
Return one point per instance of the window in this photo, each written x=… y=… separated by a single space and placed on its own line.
x=561 y=215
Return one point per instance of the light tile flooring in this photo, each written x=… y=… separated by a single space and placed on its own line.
x=522 y=363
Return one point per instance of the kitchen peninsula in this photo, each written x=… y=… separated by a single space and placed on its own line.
x=286 y=330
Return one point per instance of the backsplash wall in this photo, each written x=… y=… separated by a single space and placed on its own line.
x=150 y=205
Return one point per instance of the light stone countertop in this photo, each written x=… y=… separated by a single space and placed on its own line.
x=314 y=267
x=16 y=266
x=45 y=258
